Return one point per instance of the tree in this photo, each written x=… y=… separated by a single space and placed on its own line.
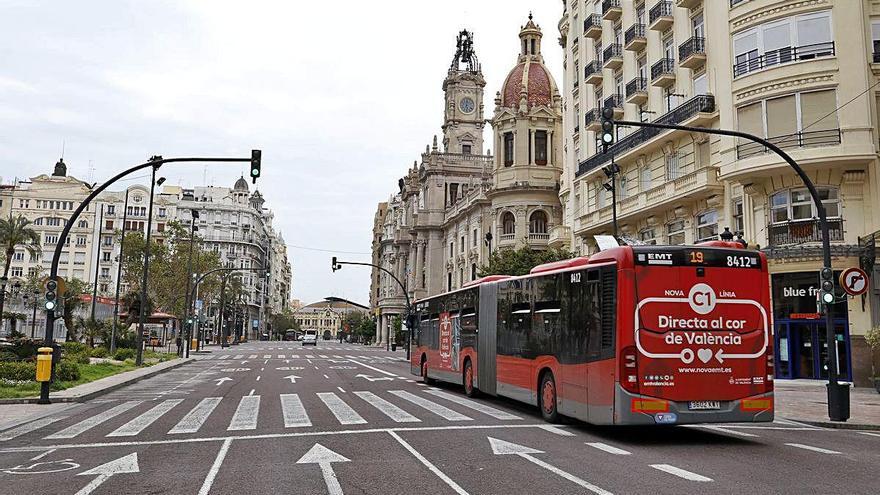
x=92 y=329
x=14 y=232
x=283 y=321
x=74 y=288
x=14 y=318
x=507 y=261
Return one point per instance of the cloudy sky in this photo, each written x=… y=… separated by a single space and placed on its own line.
x=341 y=97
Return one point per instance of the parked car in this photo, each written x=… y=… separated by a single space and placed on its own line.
x=310 y=337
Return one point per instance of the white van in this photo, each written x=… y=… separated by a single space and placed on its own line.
x=310 y=337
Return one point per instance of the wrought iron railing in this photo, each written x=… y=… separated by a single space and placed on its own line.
x=637 y=84
x=695 y=45
x=734 y=3
x=876 y=59
x=592 y=68
x=611 y=51
x=803 y=231
x=592 y=21
x=697 y=104
x=613 y=101
x=663 y=66
x=591 y=116
x=610 y=4
x=661 y=9
x=634 y=32
x=752 y=61
x=827 y=137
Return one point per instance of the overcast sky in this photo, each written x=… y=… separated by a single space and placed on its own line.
x=341 y=97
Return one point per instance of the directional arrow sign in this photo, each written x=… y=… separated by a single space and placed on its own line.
x=292 y=378
x=501 y=447
x=323 y=457
x=370 y=378
x=224 y=379
x=127 y=464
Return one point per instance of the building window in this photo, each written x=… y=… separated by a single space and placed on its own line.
x=474 y=239
x=449 y=281
x=648 y=236
x=18 y=256
x=111 y=209
x=103 y=287
x=707 y=226
x=473 y=271
x=80 y=240
x=796 y=38
x=796 y=204
x=538 y=222
x=508 y=223
x=701 y=84
x=738 y=219
x=508 y=149
x=466 y=149
x=83 y=224
x=672 y=169
x=541 y=147
x=800 y=119
x=675 y=233
x=699 y=28
x=105 y=272
x=645 y=177
x=108 y=225
x=160 y=227
x=451 y=249
x=108 y=241
x=105 y=256
x=622 y=186
x=162 y=212
x=875 y=38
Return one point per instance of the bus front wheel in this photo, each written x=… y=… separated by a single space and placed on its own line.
x=547 y=398
x=468 y=379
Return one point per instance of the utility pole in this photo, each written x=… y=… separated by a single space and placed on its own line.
x=97 y=262
x=142 y=316
x=189 y=269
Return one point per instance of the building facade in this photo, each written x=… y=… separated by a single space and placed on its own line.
x=799 y=73
x=460 y=202
x=327 y=317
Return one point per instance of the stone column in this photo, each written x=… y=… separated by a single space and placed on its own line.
x=420 y=265
x=380 y=335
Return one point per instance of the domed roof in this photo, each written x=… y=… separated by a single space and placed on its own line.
x=240 y=185
x=531 y=76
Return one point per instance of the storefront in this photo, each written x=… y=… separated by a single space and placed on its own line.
x=800 y=339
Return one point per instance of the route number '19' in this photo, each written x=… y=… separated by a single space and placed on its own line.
x=741 y=261
x=575 y=278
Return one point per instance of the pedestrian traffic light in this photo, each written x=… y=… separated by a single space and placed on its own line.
x=826 y=294
x=607 y=122
x=51 y=296
x=256 y=163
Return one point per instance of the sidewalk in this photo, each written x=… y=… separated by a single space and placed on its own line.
x=17 y=411
x=806 y=401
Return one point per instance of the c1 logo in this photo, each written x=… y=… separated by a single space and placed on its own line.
x=702 y=299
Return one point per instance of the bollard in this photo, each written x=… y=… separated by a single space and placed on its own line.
x=44 y=364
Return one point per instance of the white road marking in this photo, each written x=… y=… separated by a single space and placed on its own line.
x=225 y=356
x=387 y=408
x=608 y=448
x=476 y=406
x=197 y=416
x=258 y=378
x=327 y=377
x=28 y=427
x=267 y=356
x=245 y=417
x=293 y=411
x=253 y=356
x=722 y=429
x=556 y=430
x=322 y=356
x=141 y=422
x=252 y=391
x=238 y=356
x=324 y=457
x=89 y=423
x=215 y=468
x=281 y=356
x=343 y=412
x=442 y=411
x=309 y=356
x=681 y=473
x=341 y=390
x=869 y=434
x=434 y=469
x=374 y=369
x=125 y=464
x=814 y=449
x=501 y=447
x=44 y=454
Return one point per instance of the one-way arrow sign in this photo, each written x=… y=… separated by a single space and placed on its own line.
x=127 y=464
x=292 y=378
x=370 y=378
x=323 y=457
x=221 y=380
x=501 y=447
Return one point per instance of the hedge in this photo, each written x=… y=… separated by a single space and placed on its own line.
x=123 y=354
x=23 y=371
x=100 y=352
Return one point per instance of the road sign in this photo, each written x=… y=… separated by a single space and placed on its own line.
x=199 y=304
x=854 y=281
x=256 y=323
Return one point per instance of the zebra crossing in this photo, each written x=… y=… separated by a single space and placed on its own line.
x=323 y=348
x=299 y=356
x=397 y=406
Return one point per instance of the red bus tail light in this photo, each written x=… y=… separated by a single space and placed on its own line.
x=771 y=370
x=629 y=370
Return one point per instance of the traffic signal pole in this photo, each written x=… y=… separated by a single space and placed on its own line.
x=56 y=258
x=838 y=394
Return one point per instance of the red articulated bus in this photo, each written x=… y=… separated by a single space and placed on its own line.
x=631 y=335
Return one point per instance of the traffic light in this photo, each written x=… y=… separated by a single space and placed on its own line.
x=607 y=122
x=256 y=163
x=335 y=265
x=826 y=291
x=51 y=296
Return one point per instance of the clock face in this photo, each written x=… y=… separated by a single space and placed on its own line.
x=466 y=105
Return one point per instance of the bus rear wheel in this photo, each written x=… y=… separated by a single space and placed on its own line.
x=547 y=398
x=468 y=380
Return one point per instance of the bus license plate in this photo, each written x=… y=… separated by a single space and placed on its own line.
x=702 y=405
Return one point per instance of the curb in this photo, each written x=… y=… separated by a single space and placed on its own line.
x=152 y=371
x=837 y=425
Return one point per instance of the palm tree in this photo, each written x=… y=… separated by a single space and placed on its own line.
x=16 y=232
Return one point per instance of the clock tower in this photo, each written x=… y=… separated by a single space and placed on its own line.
x=463 y=90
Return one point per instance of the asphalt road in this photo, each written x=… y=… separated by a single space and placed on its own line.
x=270 y=417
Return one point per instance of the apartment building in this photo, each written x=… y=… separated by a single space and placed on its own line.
x=800 y=73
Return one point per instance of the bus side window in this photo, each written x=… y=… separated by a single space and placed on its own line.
x=592 y=318
x=608 y=311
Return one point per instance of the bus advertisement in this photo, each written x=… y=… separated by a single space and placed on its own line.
x=630 y=335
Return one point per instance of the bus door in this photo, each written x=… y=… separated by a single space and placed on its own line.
x=574 y=341
x=486 y=338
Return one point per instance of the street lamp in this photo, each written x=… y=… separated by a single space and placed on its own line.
x=142 y=316
x=188 y=302
x=119 y=276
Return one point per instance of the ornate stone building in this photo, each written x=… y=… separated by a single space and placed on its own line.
x=460 y=201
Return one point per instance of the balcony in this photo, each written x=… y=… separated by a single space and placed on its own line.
x=593 y=26
x=692 y=53
x=635 y=39
x=828 y=137
x=751 y=62
x=591 y=120
x=593 y=73
x=660 y=16
x=560 y=236
x=734 y=3
x=539 y=237
x=663 y=73
x=803 y=231
x=688 y=4
x=615 y=102
x=611 y=10
x=695 y=111
x=506 y=237
x=637 y=91
x=612 y=56
x=574 y=45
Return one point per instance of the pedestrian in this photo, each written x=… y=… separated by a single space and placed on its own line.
x=179 y=346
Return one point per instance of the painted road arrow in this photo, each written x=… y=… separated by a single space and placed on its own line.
x=127 y=464
x=501 y=447
x=221 y=380
x=324 y=457
x=370 y=378
x=292 y=378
